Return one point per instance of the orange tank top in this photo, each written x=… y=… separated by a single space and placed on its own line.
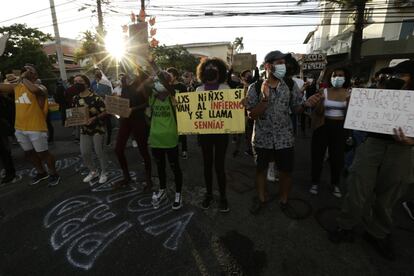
x=29 y=115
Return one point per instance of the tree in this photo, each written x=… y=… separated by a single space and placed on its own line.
x=174 y=56
x=357 y=35
x=25 y=46
x=238 y=45
x=92 y=50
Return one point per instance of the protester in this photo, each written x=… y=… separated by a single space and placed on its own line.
x=179 y=88
x=30 y=124
x=135 y=124
x=269 y=104
x=189 y=81
x=7 y=113
x=163 y=137
x=60 y=99
x=71 y=92
x=328 y=119
x=212 y=74
x=103 y=87
x=381 y=167
x=92 y=134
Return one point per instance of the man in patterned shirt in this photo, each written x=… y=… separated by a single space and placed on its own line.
x=273 y=132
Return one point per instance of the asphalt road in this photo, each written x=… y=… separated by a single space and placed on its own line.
x=75 y=229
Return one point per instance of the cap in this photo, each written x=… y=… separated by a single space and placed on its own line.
x=274 y=55
x=405 y=67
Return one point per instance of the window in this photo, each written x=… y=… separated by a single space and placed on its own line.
x=407 y=29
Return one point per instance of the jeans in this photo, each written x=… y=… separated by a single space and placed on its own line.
x=90 y=143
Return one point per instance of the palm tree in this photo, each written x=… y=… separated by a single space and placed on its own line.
x=357 y=35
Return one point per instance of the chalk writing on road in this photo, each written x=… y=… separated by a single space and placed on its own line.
x=85 y=225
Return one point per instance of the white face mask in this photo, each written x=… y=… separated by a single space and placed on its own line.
x=158 y=86
x=337 y=81
x=279 y=71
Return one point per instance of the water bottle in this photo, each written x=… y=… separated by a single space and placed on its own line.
x=155 y=202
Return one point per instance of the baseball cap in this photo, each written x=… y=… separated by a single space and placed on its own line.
x=274 y=55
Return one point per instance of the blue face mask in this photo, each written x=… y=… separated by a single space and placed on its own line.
x=279 y=71
x=337 y=81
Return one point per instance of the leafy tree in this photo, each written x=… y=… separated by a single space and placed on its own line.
x=25 y=46
x=92 y=50
x=174 y=56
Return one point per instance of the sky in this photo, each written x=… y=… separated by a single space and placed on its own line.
x=175 y=20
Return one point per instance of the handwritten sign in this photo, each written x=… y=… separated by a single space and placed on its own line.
x=210 y=112
x=380 y=111
x=117 y=106
x=314 y=62
x=76 y=116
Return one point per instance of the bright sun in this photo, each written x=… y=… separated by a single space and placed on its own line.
x=115 y=44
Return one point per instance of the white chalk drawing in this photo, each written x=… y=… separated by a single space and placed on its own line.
x=74 y=226
x=81 y=224
x=113 y=176
x=84 y=251
x=177 y=225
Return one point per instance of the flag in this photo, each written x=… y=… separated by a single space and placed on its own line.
x=3 y=41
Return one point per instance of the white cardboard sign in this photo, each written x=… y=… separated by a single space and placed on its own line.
x=381 y=110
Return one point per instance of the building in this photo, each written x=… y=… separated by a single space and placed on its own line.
x=221 y=50
x=69 y=47
x=388 y=33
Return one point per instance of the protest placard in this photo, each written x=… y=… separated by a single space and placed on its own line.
x=380 y=111
x=313 y=62
x=76 y=116
x=210 y=112
x=244 y=61
x=117 y=106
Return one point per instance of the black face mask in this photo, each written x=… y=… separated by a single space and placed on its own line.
x=249 y=79
x=80 y=87
x=210 y=74
x=394 y=83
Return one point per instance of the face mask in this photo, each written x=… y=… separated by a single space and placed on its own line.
x=80 y=87
x=337 y=81
x=159 y=87
x=279 y=71
x=210 y=74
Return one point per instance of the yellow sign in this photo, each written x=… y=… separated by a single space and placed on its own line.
x=210 y=112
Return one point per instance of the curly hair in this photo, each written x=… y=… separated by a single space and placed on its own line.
x=85 y=79
x=219 y=63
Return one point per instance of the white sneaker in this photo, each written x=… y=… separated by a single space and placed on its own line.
x=314 y=190
x=92 y=175
x=103 y=178
x=184 y=155
x=336 y=192
x=271 y=172
x=177 y=202
x=134 y=144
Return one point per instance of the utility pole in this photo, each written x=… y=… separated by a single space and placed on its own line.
x=61 y=61
x=100 y=17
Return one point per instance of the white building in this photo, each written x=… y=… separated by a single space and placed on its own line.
x=388 y=33
x=221 y=50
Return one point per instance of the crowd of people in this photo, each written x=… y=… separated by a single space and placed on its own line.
x=274 y=103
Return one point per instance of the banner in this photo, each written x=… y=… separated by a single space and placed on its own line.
x=117 y=106
x=77 y=116
x=210 y=112
x=380 y=111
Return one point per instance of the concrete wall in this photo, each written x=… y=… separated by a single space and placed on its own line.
x=220 y=51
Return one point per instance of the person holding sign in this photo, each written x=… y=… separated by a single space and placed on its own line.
x=381 y=168
x=135 y=124
x=273 y=138
x=163 y=137
x=92 y=134
x=328 y=118
x=212 y=73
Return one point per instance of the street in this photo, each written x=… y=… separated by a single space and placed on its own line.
x=74 y=229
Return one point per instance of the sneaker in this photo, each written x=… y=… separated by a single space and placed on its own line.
x=409 y=207
x=207 y=201
x=103 y=178
x=314 y=190
x=336 y=192
x=39 y=177
x=160 y=195
x=271 y=172
x=134 y=144
x=384 y=247
x=257 y=207
x=90 y=176
x=340 y=235
x=177 y=202
x=54 y=180
x=8 y=179
x=224 y=206
x=184 y=155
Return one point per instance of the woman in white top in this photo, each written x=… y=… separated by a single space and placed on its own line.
x=328 y=125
